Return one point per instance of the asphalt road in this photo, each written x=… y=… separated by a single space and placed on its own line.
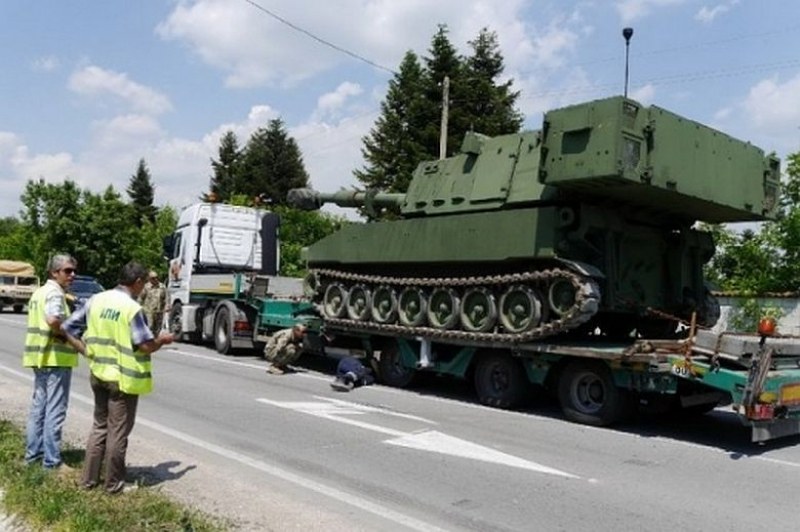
x=430 y=458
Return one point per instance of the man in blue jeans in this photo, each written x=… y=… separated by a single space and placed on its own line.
x=52 y=360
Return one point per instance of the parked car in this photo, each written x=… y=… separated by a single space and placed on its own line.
x=82 y=288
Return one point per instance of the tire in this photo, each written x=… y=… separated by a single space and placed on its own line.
x=500 y=381
x=18 y=309
x=391 y=370
x=588 y=395
x=223 y=331
x=174 y=321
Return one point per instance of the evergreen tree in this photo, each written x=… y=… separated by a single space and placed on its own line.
x=489 y=105
x=271 y=164
x=408 y=130
x=140 y=190
x=393 y=147
x=223 y=182
x=443 y=62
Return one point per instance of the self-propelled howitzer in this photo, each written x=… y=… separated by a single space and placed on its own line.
x=584 y=226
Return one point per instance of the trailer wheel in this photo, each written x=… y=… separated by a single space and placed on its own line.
x=500 y=380
x=223 y=331
x=588 y=395
x=391 y=370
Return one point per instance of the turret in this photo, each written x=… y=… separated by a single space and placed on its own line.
x=310 y=200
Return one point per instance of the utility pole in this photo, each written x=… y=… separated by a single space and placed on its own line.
x=445 y=112
x=627 y=33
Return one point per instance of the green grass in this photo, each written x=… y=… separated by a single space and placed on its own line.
x=47 y=501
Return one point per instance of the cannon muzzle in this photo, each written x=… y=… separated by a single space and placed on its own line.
x=310 y=200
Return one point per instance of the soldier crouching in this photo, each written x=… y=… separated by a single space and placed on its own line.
x=283 y=348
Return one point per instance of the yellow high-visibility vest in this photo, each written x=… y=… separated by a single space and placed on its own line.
x=111 y=355
x=43 y=349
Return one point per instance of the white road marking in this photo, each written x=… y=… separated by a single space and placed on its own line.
x=462 y=404
x=428 y=440
x=351 y=499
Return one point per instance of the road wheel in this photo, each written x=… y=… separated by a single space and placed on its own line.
x=333 y=302
x=444 y=308
x=520 y=309
x=223 y=331
x=412 y=307
x=588 y=395
x=391 y=370
x=500 y=380
x=478 y=310
x=18 y=309
x=358 y=303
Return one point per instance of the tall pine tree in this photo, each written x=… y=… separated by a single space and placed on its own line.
x=223 y=182
x=490 y=106
x=408 y=130
x=394 y=147
x=271 y=164
x=140 y=190
x=442 y=62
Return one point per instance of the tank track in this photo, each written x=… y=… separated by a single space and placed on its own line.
x=586 y=304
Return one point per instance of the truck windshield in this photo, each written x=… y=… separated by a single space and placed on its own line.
x=7 y=279
x=27 y=281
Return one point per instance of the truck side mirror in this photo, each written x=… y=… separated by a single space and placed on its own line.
x=168 y=246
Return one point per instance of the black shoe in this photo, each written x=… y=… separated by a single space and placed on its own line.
x=341 y=385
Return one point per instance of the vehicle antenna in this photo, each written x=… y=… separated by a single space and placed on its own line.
x=627 y=33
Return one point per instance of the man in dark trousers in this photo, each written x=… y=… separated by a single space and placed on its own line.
x=111 y=330
x=351 y=373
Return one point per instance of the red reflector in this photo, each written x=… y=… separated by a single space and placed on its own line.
x=761 y=412
x=241 y=326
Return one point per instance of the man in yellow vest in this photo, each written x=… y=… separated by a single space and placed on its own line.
x=110 y=328
x=52 y=360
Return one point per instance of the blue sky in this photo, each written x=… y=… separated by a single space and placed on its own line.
x=91 y=87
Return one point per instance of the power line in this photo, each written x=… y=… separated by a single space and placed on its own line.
x=319 y=39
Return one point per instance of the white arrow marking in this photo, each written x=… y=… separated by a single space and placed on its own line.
x=434 y=441
x=428 y=440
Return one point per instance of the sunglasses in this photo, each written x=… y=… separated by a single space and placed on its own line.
x=68 y=271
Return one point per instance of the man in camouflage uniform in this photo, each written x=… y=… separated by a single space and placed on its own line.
x=283 y=348
x=153 y=300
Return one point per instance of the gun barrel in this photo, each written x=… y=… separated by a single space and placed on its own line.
x=309 y=199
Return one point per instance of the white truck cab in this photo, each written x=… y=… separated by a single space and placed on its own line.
x=211 y=244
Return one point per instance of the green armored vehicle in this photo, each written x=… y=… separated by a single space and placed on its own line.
x=583 y=227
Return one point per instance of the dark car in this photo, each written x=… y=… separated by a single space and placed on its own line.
x=82 y=288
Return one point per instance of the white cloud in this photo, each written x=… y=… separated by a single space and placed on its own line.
x=45 y=64
x=775 y=106
x=94 y=81
x=644 y=94
x=707 y=14
x=332 y=102
x=255 y=49
x=630 y=10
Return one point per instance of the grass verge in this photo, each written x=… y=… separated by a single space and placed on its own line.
x=52 y=501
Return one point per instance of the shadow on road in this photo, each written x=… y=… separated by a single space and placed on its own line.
x=163 y=472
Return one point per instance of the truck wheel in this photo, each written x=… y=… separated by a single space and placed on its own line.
x=174 y=321
x=588 y=395
x=500 y=380
x=18 y=309
x=391 y=370
x=223 y=331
